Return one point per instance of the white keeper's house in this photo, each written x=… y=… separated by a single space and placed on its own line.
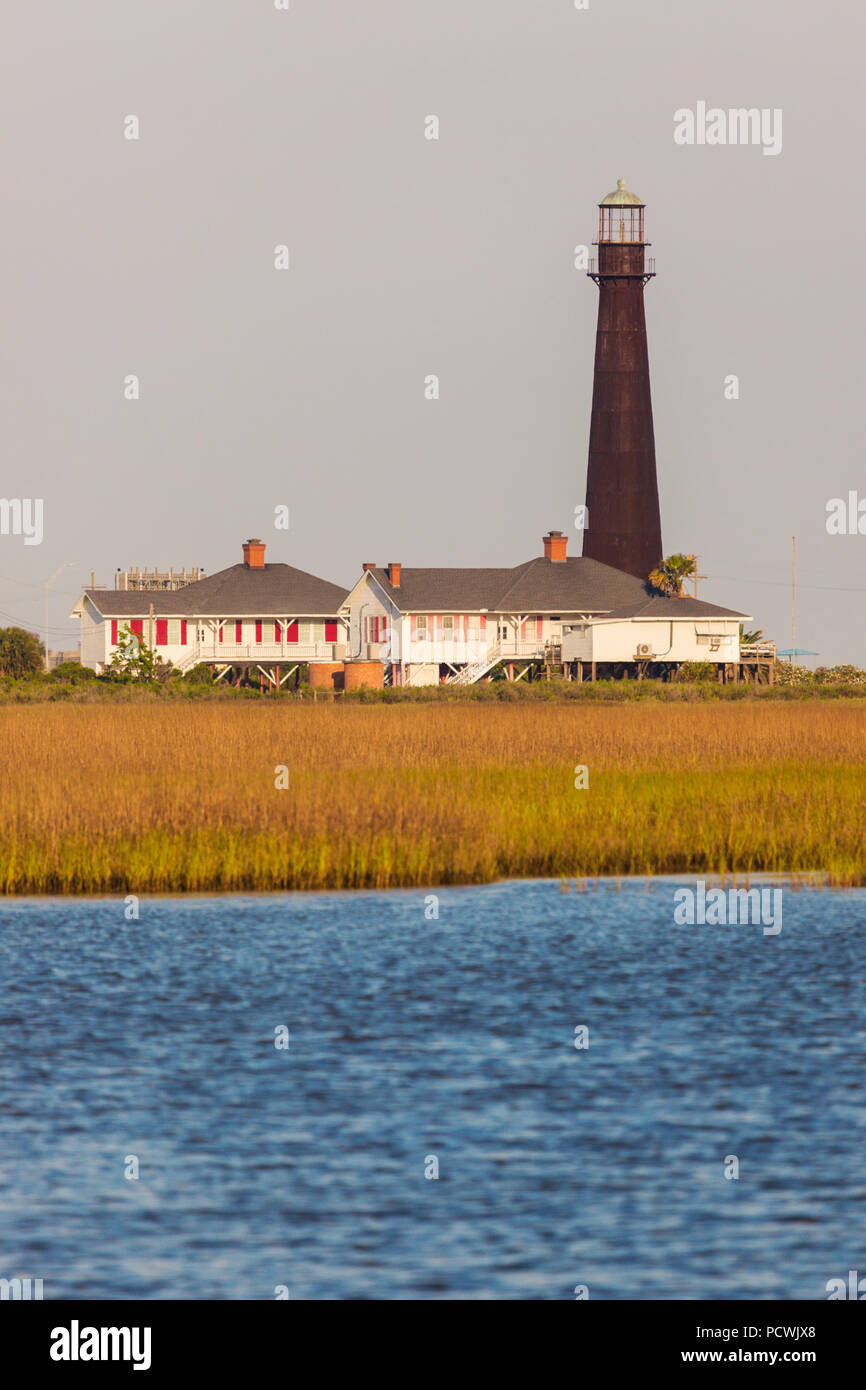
x=456 y=625
x=401 y=626
x=253 y=618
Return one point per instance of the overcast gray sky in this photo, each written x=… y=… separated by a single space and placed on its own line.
x=411 y=257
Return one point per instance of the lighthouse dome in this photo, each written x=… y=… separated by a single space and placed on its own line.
x=620 y=196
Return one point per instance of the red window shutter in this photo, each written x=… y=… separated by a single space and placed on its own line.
x=540 y=629
x=483 y=625
x=258 y=629
x=137 y=626
x=292 y=632
x=114 y=632
x=239 y=630
x=183 y=632
x=413 y=623
x=523 y=630
x=162 y=632
x=222 y=625
x=330 y=632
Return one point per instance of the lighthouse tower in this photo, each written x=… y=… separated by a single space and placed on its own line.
x=622 y=498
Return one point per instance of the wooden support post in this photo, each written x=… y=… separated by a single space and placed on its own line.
x=580 y=673
x=593 y=668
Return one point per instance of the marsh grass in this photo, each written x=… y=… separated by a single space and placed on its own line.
x=181 y=798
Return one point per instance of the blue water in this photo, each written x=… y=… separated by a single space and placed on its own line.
x=412 y=1038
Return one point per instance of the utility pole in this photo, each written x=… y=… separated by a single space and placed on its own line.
x=793 y=598
x=150 y=628
x=697 y=576
x=46 y=594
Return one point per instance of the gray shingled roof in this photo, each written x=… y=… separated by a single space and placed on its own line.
x=447 y=590
x=576 y=585
x=657 y=606
x=238 y=592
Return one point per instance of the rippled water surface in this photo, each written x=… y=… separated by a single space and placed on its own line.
x=409 y=1038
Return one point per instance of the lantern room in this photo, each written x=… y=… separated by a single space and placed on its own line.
x=620 y=217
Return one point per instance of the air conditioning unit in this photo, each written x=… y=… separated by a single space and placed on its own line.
x=644 y=649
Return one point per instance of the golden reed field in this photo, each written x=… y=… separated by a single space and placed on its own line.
x=183 y=798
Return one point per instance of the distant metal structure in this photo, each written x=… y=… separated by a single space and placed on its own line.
x=621 y=486
x=138 y=579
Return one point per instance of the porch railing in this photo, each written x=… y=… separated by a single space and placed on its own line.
x=226 y=652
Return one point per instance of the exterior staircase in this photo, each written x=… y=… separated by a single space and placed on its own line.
x=188 y=662
x=468 y=675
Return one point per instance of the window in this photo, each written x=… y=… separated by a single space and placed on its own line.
x=420 y=627
x=447 y=627
x=375 y=629
x=173 y=632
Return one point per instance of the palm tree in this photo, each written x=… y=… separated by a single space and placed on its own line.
x=753 y=635
x=668 y=579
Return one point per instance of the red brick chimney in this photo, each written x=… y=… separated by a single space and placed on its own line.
x=254 y=554
x=368 y=565
x=394 y=568
x=554 y=546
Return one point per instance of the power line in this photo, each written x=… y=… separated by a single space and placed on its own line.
x=782 y=583
x=25 y=623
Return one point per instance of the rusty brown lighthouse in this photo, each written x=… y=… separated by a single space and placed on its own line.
x=622 y=497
